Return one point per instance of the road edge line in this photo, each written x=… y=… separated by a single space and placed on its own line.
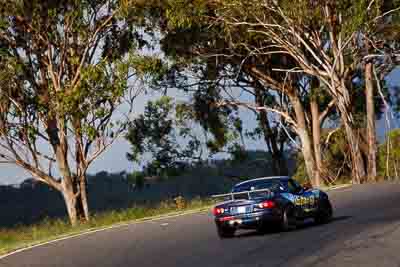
x=101 y=229
x=122 y=224
x=338 y=187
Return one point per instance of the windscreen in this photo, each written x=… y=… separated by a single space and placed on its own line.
x=274 y=185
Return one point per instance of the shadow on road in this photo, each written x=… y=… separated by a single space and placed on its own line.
x=302 y=226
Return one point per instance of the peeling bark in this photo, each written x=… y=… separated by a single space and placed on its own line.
x=358 y=168
x=75 y=197
x=316 y=133
x=84 y=198
x=70 y=201
x=371 y=133
x=304 y=136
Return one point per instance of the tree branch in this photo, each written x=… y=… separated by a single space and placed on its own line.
x=89 y=44
x=283 y=114
x=328 y=109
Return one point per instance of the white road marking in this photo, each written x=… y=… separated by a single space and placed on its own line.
x=92 y=231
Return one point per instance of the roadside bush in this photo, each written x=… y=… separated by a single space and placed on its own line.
x=300 y=174
x=136 y=178
x=180 y=202
x=336 y=158
x=336 y=161
x=389 y=156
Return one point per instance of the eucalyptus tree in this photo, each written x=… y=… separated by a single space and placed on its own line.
x=322 y=38
x=380 y=45
x=67 y=66
x=252 y=56
x=164 y=136
x=194 y=52
x=283 y=45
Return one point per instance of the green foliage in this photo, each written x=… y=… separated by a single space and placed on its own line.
x=359 y=107
x=389 y=156
x=336 y=159
x=210 y=116
x=185 y=13
x=238 y=153
x=300 y=173
x=185 y=27
x=155 y=134
x=66 y=67
x=136 y=178
x=74 y=64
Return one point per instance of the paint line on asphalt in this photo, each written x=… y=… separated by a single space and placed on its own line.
x=119 y=225
x=92 y=231
x=338 y=187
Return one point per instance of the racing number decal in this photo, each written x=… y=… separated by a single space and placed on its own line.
x=300 y=201
x=306 y=203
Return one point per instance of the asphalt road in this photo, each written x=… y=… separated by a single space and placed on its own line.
x=365 y=232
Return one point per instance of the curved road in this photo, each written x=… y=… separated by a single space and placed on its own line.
x=365 y=232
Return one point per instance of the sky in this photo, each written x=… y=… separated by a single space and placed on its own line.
x=114 y=159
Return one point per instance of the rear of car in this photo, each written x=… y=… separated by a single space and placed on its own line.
x=253 y=205
x=265 y=202
x=246 y=214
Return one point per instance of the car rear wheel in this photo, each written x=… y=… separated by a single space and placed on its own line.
x=288 y=219
x=263 y=228
x=225 y=232
x=324 y=213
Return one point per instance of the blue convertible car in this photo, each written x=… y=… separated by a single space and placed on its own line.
x=266 y=202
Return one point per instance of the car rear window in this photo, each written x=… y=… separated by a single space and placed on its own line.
x=271 y=184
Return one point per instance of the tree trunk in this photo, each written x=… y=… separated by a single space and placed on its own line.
x=279 y=164
x=71 y=209
x=75 y=197
x=84 y=199
x=69 y=188
x=74 y=192
x=307 y=154
x=316 y=133
x=278 y=160
x=81 y=172
x=70 y=201
x=371 y=133
x=358 y=168
x=304 y=136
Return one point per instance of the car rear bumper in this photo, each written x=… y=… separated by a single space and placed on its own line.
x=249 y=221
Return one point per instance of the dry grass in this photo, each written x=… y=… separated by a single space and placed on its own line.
x=50 y=229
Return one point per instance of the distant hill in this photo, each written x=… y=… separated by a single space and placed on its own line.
x=33 y=201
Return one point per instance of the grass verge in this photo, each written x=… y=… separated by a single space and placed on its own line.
x=12 y=239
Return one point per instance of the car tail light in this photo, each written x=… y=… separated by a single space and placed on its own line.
x=224 y=219
x=218 y=211
x=268 y=204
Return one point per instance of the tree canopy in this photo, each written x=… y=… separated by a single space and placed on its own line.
x=66 y=67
